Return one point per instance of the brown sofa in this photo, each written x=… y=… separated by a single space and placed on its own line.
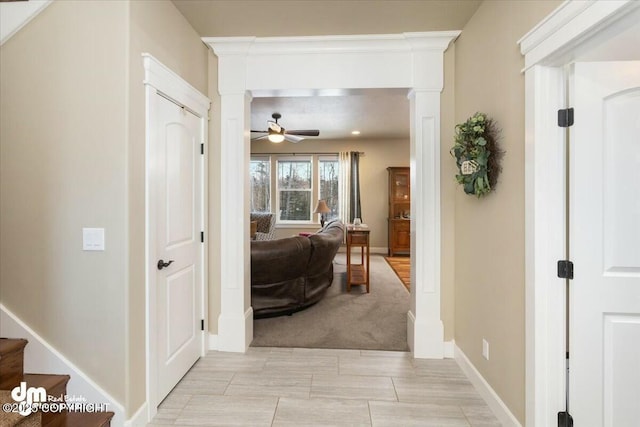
x=289 y=275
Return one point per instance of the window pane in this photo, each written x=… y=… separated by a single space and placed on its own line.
x=260 y=177
x=329 y=186
x=294 y=174
x=295 y=205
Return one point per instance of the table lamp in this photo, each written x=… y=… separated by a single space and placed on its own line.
x=322 y=209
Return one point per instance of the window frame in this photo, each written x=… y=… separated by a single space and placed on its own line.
x=312 y=190
x=328 y=158
x=268 y=159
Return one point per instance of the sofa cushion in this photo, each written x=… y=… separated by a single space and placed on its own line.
x=277 y=274
x=278 y=260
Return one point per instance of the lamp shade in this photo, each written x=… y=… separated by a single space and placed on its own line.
x=322 y=207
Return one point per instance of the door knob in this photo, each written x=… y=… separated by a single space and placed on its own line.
x=162 y=264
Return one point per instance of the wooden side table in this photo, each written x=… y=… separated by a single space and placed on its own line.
x=358 y=274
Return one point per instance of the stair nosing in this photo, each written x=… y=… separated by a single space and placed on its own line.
x=11 y=345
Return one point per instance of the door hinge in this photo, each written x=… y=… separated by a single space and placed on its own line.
x=202 y=324
x=565 y=419
x=565 y=269
x=202 y=236
x=202 y=148
x=565 y=117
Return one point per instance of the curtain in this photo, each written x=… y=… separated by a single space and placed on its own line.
x=354 y=202
x=350 y=186
x=344 y=192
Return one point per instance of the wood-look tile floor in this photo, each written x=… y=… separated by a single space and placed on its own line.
x=317 y=387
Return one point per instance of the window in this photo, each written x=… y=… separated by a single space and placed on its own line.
x=260 y=177
x=294 y=189
x=328 y=183
x=296 y=185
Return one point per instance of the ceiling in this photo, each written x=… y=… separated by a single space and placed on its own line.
x=213 y=18
x=376 y=113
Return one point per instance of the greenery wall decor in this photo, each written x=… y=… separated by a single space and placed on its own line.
x=477 y=154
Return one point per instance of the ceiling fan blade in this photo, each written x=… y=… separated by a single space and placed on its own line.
x=260 y=137
x=309 y=132
x=292 y=138
x=259 y=131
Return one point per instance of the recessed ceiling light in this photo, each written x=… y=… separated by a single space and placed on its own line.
x=355 y=132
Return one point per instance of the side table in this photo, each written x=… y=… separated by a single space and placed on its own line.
x=358 y=274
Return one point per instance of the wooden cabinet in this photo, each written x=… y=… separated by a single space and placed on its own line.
x=399 y=211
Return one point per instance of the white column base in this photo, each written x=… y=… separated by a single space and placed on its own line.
x=425 y=337
x=235 y=333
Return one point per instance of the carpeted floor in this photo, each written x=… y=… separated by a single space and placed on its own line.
x=355 y=320
x=402 y=266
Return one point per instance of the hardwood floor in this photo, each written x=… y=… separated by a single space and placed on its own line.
x=401 y=265
x=317 y=387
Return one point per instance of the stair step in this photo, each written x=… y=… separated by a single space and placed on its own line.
x=8 y=345
x=82 y=419
x=56 y=386
x=14 y=418
x=11 y=362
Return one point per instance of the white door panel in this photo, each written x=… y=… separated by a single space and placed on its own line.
x=180 y=159
x=604 y=379
x=178 y=204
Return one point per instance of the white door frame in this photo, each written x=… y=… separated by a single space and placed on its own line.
x=548 y=48
x=159 y=78
x=308 y=66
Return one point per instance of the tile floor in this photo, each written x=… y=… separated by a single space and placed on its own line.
x=314 y=387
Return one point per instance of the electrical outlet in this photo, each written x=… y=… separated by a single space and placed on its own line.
x=485 y=349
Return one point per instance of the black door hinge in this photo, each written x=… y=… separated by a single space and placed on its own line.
x=565 y=117
x=565 y=269
x=202 y=236
x=565 y=419
x=202 y=148
x=202 y=324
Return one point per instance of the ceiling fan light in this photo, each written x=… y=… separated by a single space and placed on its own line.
x=276 y=137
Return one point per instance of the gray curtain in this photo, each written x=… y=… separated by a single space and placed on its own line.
x=354 y=202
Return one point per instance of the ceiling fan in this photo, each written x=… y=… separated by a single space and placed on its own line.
x=276 y=133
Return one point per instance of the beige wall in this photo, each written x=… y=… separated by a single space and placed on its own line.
x=156 y=27
x=489 y=233
x=379 y=154
x=63 y=162
x=72 y=147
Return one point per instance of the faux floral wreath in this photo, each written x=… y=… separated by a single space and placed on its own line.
x=477 y=154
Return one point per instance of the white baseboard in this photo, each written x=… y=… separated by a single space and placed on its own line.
x=139 y=419
x=41 y=357
x=235 y=332
x=449 y=349
x=494 y=402
x=213 y=342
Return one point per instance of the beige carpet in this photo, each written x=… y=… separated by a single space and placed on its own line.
x=402 y=267
x=355 y=320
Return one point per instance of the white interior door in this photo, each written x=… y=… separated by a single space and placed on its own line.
x=178 y=226
x=604 y=379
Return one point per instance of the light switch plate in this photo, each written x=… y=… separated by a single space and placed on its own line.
x=93 y=239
